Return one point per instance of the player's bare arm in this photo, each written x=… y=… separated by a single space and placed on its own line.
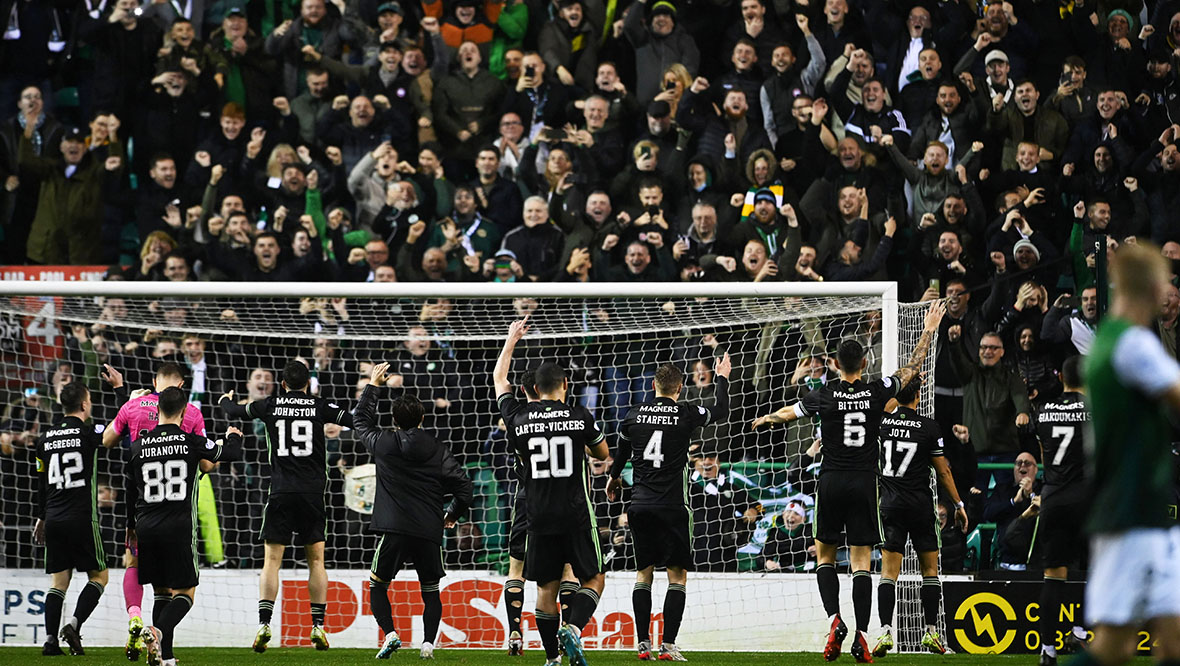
x=943 y=469
x=109 y=436
x=1171 y=397
x=934 y=317
x=599 y=451
x=783 y=415
x=516 y=331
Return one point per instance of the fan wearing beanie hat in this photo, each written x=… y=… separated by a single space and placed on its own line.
x=658 y=39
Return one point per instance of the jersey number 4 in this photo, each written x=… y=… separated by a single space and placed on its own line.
x=62 y=470
x=301 y=438
x=165 y=481
x=551 y=457
x=654 y=451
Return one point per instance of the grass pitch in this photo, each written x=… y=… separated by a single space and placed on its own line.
x=340 y=657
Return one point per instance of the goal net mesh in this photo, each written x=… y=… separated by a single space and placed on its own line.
x=751 y=493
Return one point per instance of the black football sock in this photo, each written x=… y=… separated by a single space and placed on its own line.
x=173 y=613
x=379 y=604
x=266 y=610
x=54 y=600
x=886 y=600
x=829 y=588
x=641 y=603
x=318 y=611
x=931 y=596
x=87 y=601
x=1050 y=606
x=513 y=602
x=431 y=611
x=565 y=597
x=582 y=607
x=547 y=624
x=160 y=600
x=673 y=611
x=862 y=598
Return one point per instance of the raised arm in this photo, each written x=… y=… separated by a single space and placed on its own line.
x=364 y=417
x=516 y=331
x=720 y=411
x=231 y=408
x=933 y=319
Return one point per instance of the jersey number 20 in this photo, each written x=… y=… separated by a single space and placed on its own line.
x=551 y=457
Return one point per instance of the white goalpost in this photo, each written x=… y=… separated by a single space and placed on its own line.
x=753 y=588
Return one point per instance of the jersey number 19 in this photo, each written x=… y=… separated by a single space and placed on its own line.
x=301 y=438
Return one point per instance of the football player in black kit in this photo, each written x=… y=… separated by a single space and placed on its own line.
x=415 y=473
x=517 y=539
x=162 y=488
x=911 y=447
x=655 y=438
x=299 y=463
x=850 y=412
x=1063 y=428
x=67 y=522
x=553 y=438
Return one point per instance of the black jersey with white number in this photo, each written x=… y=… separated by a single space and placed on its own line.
x=909 y=442
x=551 y=438
x=1063 y=426
x=850 y=416
x=66 y=457
x=295 y=438
x=162 y=477
x=657 y=434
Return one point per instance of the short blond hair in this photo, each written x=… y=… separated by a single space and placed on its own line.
x=1139 y=271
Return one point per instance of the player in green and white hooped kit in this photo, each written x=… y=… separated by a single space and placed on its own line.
x=1133 y=387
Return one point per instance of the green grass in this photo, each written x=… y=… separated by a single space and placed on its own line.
x=234 y=656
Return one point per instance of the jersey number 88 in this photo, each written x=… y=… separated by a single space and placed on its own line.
x=165 y=481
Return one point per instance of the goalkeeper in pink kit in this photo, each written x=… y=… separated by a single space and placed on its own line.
x=136 y=417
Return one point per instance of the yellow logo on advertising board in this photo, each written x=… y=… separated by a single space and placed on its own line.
x=982 y=621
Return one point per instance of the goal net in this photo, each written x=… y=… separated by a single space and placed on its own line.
x=751 y=493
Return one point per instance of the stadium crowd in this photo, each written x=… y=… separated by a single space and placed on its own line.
x=979 y=152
